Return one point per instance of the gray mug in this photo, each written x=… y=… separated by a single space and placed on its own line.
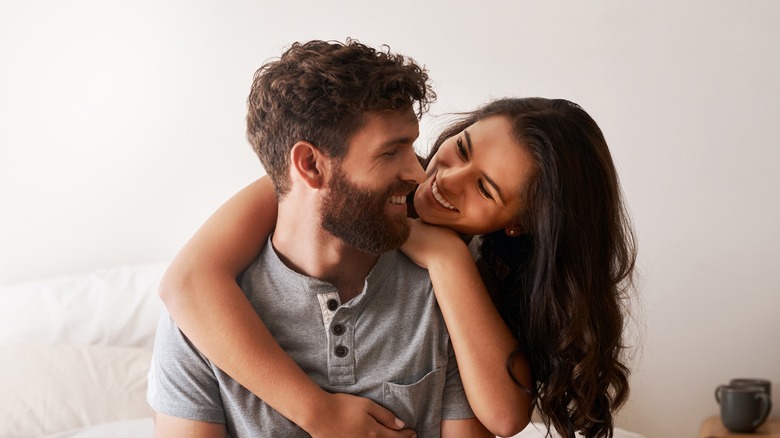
x=742 y=408
x=763 y=383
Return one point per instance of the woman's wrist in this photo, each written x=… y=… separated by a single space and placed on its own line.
x=453 y=253
x=312 y=409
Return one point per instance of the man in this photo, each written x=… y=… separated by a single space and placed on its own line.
x=333 y=125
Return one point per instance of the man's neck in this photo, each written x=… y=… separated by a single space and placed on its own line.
x=306 y=248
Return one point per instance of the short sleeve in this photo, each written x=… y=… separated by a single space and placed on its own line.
x=182 y=382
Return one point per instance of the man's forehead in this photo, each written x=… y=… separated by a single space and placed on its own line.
x=380 y=128
x=404 y=115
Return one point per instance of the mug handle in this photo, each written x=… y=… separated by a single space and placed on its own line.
x=717 y=393
x=766 y=403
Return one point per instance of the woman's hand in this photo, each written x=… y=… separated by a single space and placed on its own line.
x=429 y=243
x=346 y=415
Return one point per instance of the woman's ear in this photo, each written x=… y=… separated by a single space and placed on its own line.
x=308 y=164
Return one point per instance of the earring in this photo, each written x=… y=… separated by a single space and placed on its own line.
x=512 y=231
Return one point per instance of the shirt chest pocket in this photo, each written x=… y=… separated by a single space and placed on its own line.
x=418 y=404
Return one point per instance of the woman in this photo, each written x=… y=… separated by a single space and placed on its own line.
x=534 y=180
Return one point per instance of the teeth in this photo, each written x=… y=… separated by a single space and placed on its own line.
x=398 y=199
x=439 y=197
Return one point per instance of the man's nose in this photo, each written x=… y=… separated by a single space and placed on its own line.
x=412 y=170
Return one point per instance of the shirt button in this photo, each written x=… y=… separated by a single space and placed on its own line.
x=341 y=351
x=338 y=329
x=333 y=305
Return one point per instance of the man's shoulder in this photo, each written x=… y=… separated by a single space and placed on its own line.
x=401 y=266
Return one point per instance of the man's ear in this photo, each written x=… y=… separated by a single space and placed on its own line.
x=309 y=164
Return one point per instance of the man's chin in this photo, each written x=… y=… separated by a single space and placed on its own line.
x=381 y=241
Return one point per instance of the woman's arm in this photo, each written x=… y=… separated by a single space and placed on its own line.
x=481 y=340
x=200 y=291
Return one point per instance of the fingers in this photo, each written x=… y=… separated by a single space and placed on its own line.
x=408 y=433
x=390 y=421
x=404 y=433
x=385 y=417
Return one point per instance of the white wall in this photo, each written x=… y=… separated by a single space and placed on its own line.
x=121 y=129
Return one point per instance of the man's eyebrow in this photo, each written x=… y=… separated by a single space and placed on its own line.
x=398 y=140
x=484 y=175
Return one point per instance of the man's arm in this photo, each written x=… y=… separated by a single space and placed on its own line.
x=183 y=390
x=166 y=426
x=467 y=428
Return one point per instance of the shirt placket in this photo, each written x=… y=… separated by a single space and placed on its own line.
x=340 y=331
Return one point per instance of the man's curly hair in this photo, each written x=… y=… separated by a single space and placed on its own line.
x=319 y=91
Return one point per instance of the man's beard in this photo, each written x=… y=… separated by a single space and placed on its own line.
x=357 y=216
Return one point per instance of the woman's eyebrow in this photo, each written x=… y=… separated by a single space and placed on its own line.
x=495 y=186
x=468 y=139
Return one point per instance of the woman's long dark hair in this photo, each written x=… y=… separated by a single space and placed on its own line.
x=562 y=286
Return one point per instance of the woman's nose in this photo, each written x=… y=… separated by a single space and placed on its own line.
x=451 y=178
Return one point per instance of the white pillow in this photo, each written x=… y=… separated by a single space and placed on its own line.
x=143 y=427
x=116 y=306
x=48 y=389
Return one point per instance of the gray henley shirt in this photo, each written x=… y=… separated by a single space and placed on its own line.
x=388 y=344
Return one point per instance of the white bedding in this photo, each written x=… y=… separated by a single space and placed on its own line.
x=49 y=388
x=143 y=427
x=75 y=351
x=116 y=307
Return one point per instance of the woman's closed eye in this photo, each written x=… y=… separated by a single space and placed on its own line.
x=461 y=149
x=483 y=190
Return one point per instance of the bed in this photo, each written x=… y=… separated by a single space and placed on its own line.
x=75 y=351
